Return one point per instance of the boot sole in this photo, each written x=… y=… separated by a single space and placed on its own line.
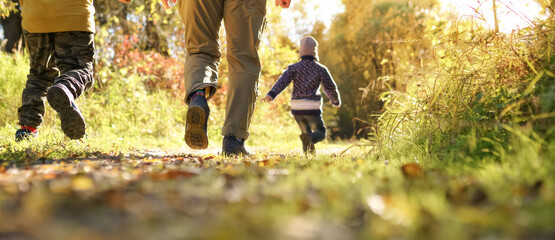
x=73 y=122
x=195 y=136
x=238 y=153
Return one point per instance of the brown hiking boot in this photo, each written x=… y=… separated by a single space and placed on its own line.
x=196 y=135
x=61 y=99
x=232 y=146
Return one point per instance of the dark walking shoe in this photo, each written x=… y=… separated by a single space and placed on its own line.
x=24 y=134
x=196 y=136
x=308 y=145
x=232 y=146
x=61 y=100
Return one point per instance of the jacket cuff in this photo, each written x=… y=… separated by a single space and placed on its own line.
x=272 y=94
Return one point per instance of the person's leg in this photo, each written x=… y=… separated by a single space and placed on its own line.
x=41 y=76
x=303 y=124
x=308 y=145
x=318 y=128
x=74 y=58
x=244 y=22
x=202 y=21
x=74 y=52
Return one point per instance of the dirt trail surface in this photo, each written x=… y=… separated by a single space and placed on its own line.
x=148 y=195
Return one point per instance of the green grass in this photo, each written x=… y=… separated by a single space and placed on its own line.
x=282 y=197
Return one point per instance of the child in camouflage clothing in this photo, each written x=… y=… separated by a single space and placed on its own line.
x=306 y=102
x=59 y=35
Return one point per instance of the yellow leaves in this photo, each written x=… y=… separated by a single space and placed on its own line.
x=82 y=183
x=171 y=174
x=209 y=156
x=46 y=153
x=230 y=170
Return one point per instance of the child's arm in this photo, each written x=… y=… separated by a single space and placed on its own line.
x=330 y=89
x=283 y=81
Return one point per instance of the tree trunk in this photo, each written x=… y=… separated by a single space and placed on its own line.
x=495 y=17
x=154 y=41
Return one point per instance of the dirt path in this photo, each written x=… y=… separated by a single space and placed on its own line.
x=140 y=195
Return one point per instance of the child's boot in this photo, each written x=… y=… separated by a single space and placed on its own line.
x=25 y=133
x=62 y=100
x=308 y=144
x=196 y=135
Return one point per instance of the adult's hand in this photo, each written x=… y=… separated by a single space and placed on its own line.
x=283 y=3
x=166 y=3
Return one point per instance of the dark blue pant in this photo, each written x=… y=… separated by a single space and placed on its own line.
x=313 y=125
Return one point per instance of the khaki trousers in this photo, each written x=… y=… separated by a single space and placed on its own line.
x=244 y=21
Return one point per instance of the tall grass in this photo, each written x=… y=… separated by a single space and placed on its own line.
x=13 y=72
x=483 y=89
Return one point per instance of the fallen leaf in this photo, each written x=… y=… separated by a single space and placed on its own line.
x=50 y=175
x=412 y=170
x=82 y=183
x=263 y=163
x=208 y=157
x=171 y=174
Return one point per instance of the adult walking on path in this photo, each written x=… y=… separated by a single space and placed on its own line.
x=244 y=21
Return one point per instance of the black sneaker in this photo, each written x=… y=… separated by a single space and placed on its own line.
x=24 y=134
x=196 y=136
x=232 y=146
x=61 y=99
x=308 y=145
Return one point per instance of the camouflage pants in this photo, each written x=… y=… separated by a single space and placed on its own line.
x=60 y=57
